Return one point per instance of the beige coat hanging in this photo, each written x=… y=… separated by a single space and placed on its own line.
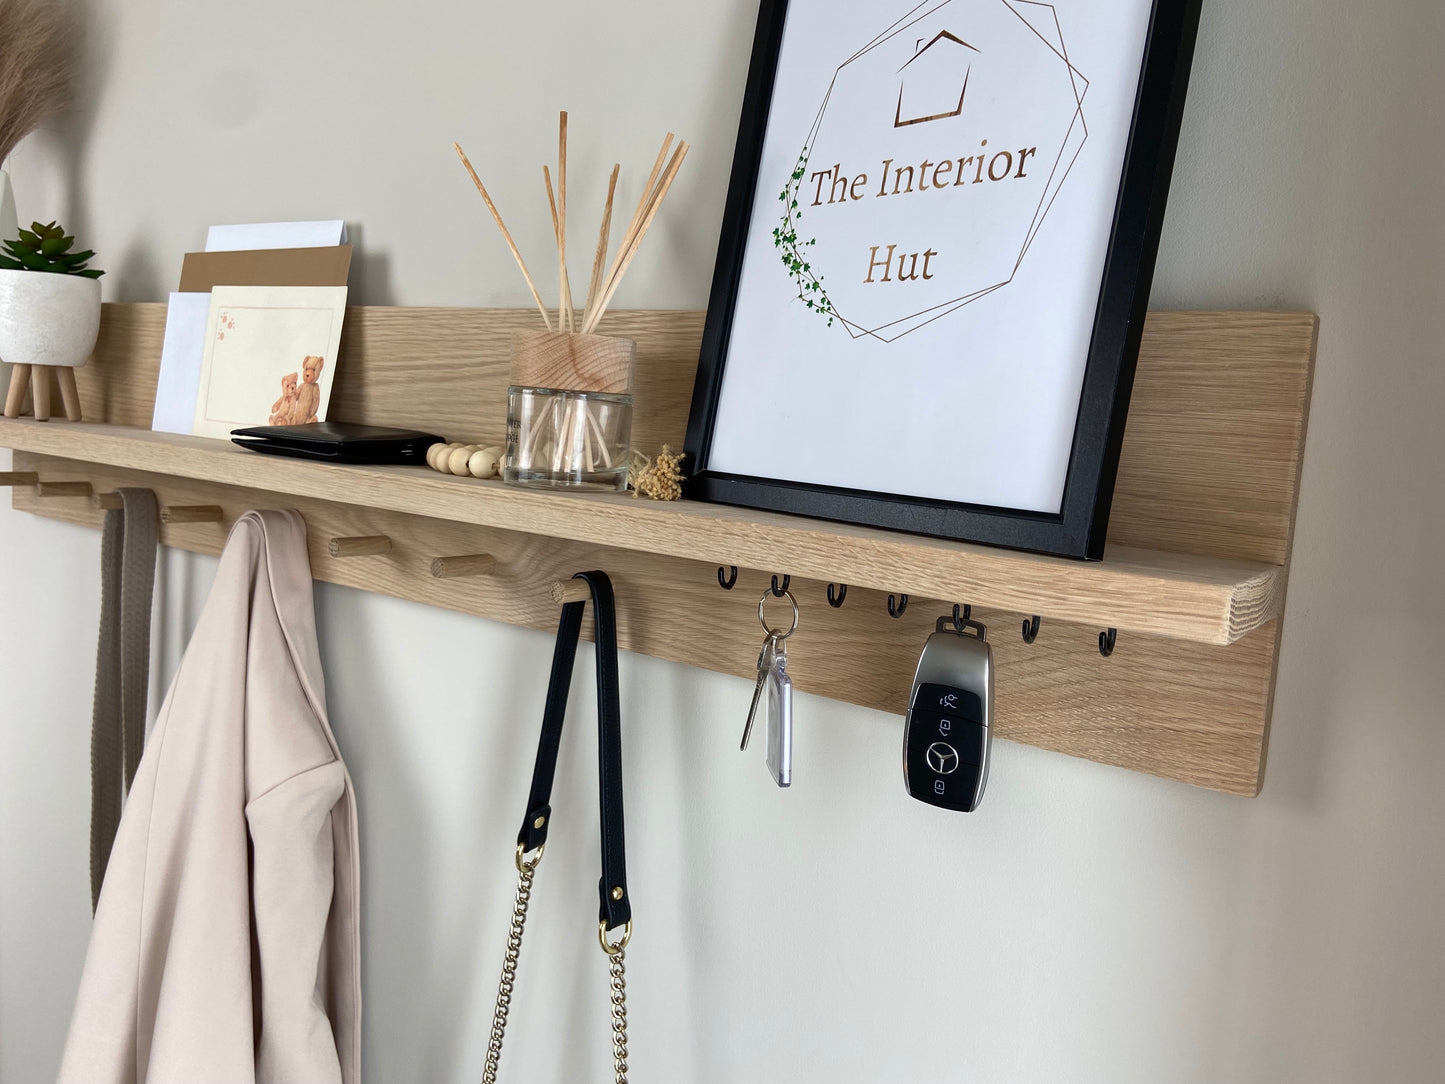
x=226 y=946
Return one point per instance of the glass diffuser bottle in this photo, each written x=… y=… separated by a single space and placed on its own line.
x=569 y=410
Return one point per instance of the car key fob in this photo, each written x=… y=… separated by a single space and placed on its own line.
x=950 y=715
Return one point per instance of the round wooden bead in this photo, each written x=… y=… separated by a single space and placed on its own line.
x=457 y=460
x=436 y=453
x=483 y=463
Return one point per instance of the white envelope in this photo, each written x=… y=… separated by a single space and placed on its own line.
x=275 y=235
x=181 y=355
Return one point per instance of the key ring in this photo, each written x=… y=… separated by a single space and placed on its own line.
x=764 y=622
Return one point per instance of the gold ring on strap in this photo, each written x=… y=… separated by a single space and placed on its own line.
x=609 y=948
x=525 y=866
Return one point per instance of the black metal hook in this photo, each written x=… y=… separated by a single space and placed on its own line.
x=729 y=583
x=897 y=606
x=779 y=592
x=960 y=617
x=1031 y=629
x=836 y=601
x=1106 y=642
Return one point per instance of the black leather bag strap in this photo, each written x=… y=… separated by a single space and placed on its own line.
x=615 y=906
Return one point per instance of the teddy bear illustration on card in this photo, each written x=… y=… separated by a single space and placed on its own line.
x=284 y=408
x=308 y=395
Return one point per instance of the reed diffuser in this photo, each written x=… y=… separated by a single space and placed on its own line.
x=569 y=407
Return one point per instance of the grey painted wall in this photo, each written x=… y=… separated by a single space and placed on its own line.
x=1089 y=924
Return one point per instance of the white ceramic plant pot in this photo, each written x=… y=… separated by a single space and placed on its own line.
x=48 y=319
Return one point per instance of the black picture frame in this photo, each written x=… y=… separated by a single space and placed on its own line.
x=1078 y=529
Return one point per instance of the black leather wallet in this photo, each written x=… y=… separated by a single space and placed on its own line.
x=338 y=442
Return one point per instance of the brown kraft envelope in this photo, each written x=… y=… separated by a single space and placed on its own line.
x=327 y=266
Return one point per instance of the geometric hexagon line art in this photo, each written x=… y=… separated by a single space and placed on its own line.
x=935 y=157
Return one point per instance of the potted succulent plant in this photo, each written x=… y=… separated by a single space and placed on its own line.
x=49 y=316
x=37 y=61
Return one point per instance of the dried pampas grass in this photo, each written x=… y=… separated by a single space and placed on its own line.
x=37 y=39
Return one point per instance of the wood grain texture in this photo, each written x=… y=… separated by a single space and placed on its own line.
x=1199 y=538
x=192 y=513
x=1211 y=453
x=1203 y=599
x=362 y=546
x=551 y=359
x=1188 y=712
x=1212 y=449
x=440 y=370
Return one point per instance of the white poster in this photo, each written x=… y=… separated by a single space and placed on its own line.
x=926 y=246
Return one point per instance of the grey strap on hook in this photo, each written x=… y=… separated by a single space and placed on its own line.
x=122 y=667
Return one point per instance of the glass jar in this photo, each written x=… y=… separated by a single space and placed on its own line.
x=558 y=437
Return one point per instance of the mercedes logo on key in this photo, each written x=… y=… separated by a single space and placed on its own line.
x=942 y=758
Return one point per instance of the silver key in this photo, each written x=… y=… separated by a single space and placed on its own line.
x=765 y=665
x=780 y=718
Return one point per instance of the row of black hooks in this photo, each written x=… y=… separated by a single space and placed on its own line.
x=897 y=604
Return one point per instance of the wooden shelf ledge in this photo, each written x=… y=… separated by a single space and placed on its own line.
x=1200 y=599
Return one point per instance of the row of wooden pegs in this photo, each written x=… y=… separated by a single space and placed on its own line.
x=442 y=568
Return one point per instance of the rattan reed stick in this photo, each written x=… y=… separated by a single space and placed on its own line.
x=603 y=236
x=631 y=251
x=506 y=236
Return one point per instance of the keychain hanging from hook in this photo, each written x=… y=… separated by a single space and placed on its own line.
x=773 y=676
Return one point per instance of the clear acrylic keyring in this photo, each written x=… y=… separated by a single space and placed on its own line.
x=763 y=621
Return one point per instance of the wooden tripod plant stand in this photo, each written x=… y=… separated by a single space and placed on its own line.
x=36 y=379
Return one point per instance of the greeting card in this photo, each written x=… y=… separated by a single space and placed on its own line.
x=270 y=356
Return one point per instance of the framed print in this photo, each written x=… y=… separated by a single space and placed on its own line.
x=935 y=263
x=270 y=356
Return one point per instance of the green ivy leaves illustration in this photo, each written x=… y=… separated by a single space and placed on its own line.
x=794 y=252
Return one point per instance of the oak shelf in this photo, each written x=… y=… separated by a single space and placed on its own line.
x=1200 y=599
x=1193 y=578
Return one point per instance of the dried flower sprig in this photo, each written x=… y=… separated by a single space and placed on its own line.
x=37 y=57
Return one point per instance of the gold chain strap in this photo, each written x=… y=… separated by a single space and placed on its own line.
x=619 y=1014
x=526 y=870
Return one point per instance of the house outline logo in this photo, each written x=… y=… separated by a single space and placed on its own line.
x=942 y=39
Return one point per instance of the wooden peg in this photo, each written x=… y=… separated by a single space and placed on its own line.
x=18 y=478
x=19 y=384
x=62 y=489
x=565 y=591
x=471 y=564
x=40 y=392
x=360 y=546
x=69 y=394
x=193 y=513
x=108 y=500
